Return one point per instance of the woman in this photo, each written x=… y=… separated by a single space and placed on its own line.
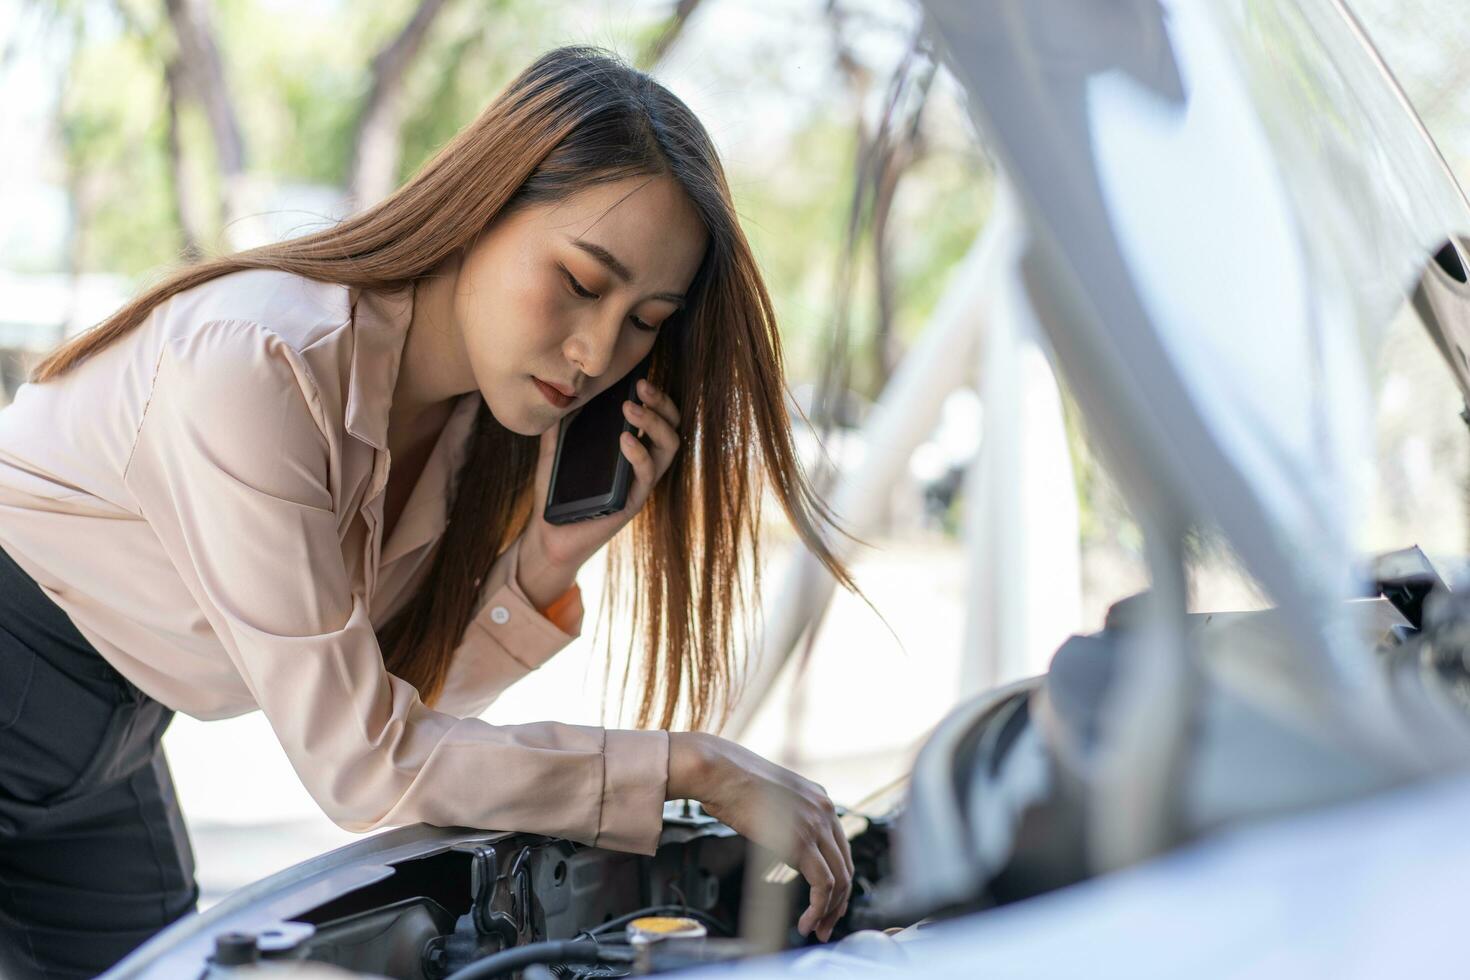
x=309 y=478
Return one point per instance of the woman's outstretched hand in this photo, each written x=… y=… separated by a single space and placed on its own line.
x=774 y=807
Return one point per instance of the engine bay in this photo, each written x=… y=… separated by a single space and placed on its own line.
x=493 y=904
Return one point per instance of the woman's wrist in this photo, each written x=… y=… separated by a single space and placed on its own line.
x=690 y=760
x=541 y=579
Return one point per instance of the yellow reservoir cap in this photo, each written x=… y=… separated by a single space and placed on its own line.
x=653 y=928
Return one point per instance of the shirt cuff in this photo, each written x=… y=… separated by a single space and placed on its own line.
x=520 y=629
x=635 y=779
x=566 y=609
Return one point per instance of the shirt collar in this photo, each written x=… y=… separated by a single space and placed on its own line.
x=426 y=512
x=380 y=327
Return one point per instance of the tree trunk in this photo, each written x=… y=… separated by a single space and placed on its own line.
x=654 y=53
x=377 y=143
x=191 y=223
x=885 y=347
x=200 y=64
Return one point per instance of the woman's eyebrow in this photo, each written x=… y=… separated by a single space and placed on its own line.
x=606 y=258
x=617 y=268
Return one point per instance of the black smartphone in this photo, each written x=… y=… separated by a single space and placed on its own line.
x=590 y=476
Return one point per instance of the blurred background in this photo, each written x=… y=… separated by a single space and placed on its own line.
x=140 y=134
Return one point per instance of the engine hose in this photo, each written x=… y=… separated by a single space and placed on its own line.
x=552 y=951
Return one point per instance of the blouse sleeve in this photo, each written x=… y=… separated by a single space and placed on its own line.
x=507 y=639
x=230 y=470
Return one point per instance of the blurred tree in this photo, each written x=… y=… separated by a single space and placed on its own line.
x=668 y=32
x=194 y=126
x=884 y=152
x=377 y=142
x=196 y=68
x=189 y=121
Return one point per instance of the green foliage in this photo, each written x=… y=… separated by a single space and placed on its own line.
x=296 y=91
x=472 y=57
x=942 y=204
x=112 y=128
x=299 y=76
x=794 y=215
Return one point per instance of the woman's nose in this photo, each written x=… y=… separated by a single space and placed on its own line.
x=591 y=346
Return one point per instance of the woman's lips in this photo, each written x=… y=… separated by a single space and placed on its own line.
x=552 y=395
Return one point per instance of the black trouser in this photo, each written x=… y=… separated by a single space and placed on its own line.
x=94 y=857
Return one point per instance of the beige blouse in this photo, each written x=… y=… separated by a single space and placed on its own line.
x=204 y=499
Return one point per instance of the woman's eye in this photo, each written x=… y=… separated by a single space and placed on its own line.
x=577 y=287
x=586 y=293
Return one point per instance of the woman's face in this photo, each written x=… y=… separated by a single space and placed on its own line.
x=571 y=295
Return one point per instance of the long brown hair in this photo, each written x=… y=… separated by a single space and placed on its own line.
x=576 y=117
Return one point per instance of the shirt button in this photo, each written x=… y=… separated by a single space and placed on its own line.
x=500 y=614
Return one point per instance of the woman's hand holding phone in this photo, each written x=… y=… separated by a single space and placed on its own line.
x=551 y=554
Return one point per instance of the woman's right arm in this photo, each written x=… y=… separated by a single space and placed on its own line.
x=231 y=470
x=774 y=807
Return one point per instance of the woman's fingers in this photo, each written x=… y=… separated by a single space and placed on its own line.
x=644 y=470
x=841 y=883
x=844 y=845
x=665 y=443
x=658 y=418
x=818 y=874
x=830 y=874
x=663 y=435
x=659 y=402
